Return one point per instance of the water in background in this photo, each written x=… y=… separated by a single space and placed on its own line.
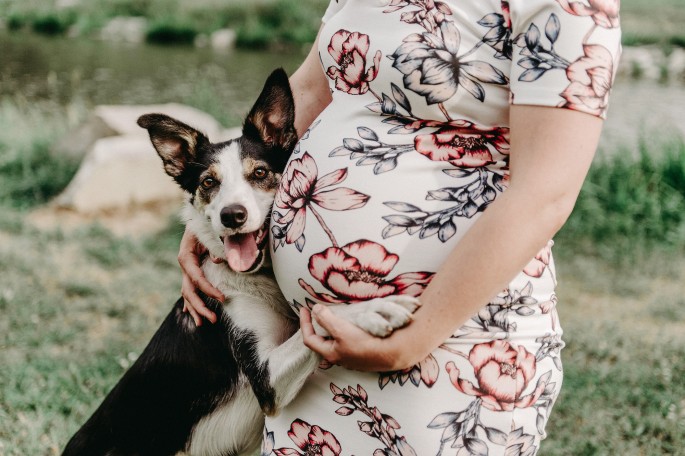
x=225 y=84
x=96 y=72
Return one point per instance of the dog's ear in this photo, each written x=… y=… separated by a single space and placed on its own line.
x=176 y=143
x=271 y=120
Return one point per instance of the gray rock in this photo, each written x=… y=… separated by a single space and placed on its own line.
x=125 y=29
x=106 y=121
x=643 y=62
x=119 y=172
x=223 y=39
x=64 y=4
x=676 y=63
x=121 y=169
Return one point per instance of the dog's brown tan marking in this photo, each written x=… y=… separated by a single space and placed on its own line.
x=260 y=175
x=210 y=183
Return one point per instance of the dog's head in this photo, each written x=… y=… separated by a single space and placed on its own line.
x=231 y=184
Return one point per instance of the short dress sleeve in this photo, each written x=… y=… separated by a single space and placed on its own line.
x=565 y=53
x=333 y=7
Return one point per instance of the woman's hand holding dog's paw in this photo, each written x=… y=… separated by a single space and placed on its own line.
x=381 y=316
x=355 y=335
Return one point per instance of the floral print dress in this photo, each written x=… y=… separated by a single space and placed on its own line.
x=383 y=185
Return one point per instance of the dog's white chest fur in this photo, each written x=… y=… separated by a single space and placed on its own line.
x=254 y=303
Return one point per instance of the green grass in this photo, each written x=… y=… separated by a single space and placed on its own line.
x=78 y=307
x=616 y=408
x=653 y=22
x=73 y=321
x=170 y=30
x=629 y=207
x=29 y=173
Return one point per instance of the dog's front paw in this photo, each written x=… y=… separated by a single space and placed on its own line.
x=381 y=316
x=410 y=303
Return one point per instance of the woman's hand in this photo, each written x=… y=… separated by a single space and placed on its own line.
x=348 y=345
x=189 y=257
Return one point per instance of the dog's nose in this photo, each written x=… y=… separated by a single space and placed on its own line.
x=233 y=216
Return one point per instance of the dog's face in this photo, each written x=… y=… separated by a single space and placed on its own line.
x=232 y=184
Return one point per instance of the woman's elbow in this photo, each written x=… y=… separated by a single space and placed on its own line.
x=549 y=206
x=556 y=211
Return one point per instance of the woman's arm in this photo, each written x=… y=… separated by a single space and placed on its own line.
x=311 y=93
x=309 y=85
x=551 y=152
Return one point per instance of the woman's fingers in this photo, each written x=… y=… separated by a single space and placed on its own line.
x=195 y=305
x=194 y=279
x=188 y=308
x=198 y=280
x=322 y=346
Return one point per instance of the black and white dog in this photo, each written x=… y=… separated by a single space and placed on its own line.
x=204 y=390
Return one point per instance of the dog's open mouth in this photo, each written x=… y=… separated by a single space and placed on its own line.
x=244 y=250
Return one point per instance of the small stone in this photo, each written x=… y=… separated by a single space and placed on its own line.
x=64 y=4
x=125 y=29
x=641 y=62
x=120 y=168
x=114 y=120
x=119 y=172
x=676 y=63
x=223 y=39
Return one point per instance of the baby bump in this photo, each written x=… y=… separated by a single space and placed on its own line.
x=360 y=214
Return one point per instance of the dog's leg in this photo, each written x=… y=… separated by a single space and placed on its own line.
x=277 y=375
x=289 y=364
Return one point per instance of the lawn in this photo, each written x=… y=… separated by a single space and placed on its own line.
x=78 y=307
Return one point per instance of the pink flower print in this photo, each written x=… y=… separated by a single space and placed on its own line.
x=506 y=13
x=426 y=371
x=349 y=52
x=382 y=426
x=358 y=272
x=311 y=441
x=537 y=266
x=520 y=444
x=463 y=143
x=591 y=77
x=301 y=186
x=605 y=13
x=550 y=307
x=503 y=373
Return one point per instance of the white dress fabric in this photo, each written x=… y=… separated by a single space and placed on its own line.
x=387 y=180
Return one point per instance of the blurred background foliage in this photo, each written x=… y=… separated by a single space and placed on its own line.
x=261 y=23
x=258 y=23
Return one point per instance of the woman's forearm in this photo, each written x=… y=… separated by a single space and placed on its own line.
x=554 y=149
x=491 y=253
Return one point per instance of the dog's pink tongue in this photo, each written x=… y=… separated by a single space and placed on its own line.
x=241 y=251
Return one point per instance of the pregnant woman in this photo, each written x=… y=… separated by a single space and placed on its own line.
x=443 y=144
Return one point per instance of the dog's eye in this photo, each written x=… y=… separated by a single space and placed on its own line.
x=260 y=173
x=208 y=182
